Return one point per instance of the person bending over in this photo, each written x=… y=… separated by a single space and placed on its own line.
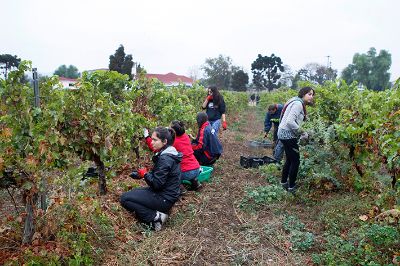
x=293 y=114
x=272 y=118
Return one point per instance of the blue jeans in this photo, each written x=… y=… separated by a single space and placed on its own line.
x=216 y=124
x=190 y=175
x=278 y=151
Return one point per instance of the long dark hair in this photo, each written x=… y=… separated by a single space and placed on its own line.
x=217 y=97
x=303 y=91
x=165 y=133
x=201 y=118
x=179 y=127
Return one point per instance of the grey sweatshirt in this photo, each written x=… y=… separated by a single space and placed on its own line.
x=291 y=120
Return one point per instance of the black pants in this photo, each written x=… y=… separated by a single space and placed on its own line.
x=292 y=163
x=145 y=203
x=203 y=159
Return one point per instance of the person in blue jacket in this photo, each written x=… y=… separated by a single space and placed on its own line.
x=272 y=118
x=207 y=147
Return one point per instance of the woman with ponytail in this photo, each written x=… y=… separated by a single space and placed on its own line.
x=293 y=114
x=190 y=167
x=152 y=204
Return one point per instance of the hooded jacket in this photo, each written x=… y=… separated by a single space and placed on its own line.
x=182 y=144
x=207 y=141
x=165 y=177
x=292 y=116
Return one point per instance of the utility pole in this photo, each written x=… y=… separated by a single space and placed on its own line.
x=36 y=87
x=43 y=185
x=329 y=63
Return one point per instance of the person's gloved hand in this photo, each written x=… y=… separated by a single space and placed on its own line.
x=134 y=175
x=304 y=136
x=224 y=125
x=142 y=172
x=209 y=97
x=145 y=133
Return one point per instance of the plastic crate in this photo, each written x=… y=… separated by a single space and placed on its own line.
x=259 y=144
x=204 y=176
x=254 y=162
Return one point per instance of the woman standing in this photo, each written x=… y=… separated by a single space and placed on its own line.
x=293 y=114
x=215 y=109
x=151 y=204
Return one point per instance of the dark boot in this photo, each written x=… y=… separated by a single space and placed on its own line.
x=183 y=189
x=195 y=184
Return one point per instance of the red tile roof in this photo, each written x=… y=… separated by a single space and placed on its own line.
x=67 y=79
x=170 y=78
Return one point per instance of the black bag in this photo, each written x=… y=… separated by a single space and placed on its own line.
x=254 y=162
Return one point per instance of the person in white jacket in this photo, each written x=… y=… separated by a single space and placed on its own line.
x=293 y=114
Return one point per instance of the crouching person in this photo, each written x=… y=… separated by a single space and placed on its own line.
x=207 y=147
x=189 y=166
x=152 y=204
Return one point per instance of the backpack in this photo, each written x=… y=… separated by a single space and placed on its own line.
x=215 y=145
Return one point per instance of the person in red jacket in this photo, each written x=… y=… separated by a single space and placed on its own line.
x=207 y=147
x=190 y=167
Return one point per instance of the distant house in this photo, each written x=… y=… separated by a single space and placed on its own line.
x=68 y=83
x=171 y=79
x=98 y=69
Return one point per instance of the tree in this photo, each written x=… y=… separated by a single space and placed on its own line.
x=121 y=63
x=240 y=79
x=218 y=71
x=287 y=76
x=194 y=72
x=7 y=62
x=316 y=73
x=370 y=69
x=67 y=72
x=323 y=73
x=266 y=71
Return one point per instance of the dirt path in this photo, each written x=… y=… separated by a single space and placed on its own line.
x=210 y=228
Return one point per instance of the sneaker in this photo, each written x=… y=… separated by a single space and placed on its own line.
x=159 y=220
x=183 y=189
x=195 y=185
x=285 y=185
x=292 y=189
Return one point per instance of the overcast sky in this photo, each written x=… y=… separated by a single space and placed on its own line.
x=176 y=35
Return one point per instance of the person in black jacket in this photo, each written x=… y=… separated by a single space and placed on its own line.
x=215 y=109
x=153 y=203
